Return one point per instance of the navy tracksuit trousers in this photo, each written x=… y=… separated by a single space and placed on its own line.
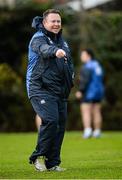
x=53 y=112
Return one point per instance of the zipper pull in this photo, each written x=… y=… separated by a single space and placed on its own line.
x=65 y=59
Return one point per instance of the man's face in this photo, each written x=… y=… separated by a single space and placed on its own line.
x=52 y=23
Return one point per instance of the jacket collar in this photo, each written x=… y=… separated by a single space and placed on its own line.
x=54 y=37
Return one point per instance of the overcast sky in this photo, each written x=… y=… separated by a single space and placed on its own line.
x=86 y=3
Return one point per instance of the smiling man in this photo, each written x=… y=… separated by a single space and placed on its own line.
x=49 y=81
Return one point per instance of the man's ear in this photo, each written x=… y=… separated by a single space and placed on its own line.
x=43 y=22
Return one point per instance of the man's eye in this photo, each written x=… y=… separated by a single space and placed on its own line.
x=56 y=21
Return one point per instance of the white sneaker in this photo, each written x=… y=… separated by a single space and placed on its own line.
x=39 y=166
x=97 y=133
x=57 y=168
x=87 y=133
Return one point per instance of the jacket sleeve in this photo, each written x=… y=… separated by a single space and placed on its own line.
x=85 y=77
x=41 y=47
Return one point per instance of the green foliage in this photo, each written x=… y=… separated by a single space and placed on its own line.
x=9 y=81
x=14 y=107
x=100 y=31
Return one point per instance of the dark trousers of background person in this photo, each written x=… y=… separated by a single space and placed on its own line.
x=53 y=112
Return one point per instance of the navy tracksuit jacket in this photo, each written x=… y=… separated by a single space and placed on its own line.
x=49 y=81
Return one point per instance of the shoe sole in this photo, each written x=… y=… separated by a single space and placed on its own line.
x=40 y=170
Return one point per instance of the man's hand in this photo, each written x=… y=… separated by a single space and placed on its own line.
x=60 y=53
x=78 y=95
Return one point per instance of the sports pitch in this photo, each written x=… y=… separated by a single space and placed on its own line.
x=84 y=159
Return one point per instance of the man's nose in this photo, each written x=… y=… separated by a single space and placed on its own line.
x=57 y=23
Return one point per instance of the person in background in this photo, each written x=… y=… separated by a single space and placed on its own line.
x=91 y=93
x=38 y=122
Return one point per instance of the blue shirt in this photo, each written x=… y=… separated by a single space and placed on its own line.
x=91 y=81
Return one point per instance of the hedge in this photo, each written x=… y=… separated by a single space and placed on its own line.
x=98 y=30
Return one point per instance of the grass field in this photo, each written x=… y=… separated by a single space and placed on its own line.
x=84 y=159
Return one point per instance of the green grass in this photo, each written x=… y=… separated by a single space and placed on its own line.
x=84 y=159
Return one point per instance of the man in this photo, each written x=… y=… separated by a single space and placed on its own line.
x=91 y=94
x=49 y=81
